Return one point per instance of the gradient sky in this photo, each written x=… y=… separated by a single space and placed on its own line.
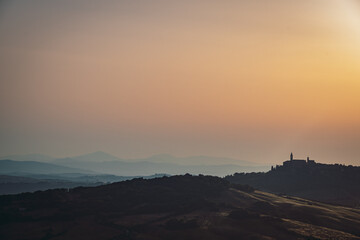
x=251 y=79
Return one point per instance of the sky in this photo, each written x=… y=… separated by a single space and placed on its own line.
x=252 y=79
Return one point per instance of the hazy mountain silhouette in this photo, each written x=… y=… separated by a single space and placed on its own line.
x=36 y=182
x=98 y=156
x=11 y=167
x=196 y=160
x=28 y=157
x=99 y=168
x=108 y=164
x=148 y=168
x=29 y=176
x=179 y=207
x=105 y=163
x=101 y=156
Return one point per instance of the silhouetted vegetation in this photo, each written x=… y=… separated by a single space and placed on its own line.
x=178 y=207
x=323 y=182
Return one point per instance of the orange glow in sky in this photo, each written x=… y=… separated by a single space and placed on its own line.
x=252 y=80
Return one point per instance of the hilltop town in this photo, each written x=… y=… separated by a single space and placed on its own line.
x=333 y=183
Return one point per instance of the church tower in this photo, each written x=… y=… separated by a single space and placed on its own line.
x=291 y=157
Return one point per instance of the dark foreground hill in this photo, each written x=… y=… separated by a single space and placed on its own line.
x=332 y=183
x=179 y=207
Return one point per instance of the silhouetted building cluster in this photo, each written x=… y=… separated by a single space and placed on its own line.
x=296 y=163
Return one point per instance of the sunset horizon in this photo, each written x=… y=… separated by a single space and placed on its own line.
x=249 y=80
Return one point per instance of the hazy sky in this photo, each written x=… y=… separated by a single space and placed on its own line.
x=251 y=79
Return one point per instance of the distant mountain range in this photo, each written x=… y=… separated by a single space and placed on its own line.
x=101 y=156
x=28 y=173
x=148 y=168
x=195 y=160
x=11 y=167
x=29 y=176
x=40 y=182
x=104 y=163
x=41 y=172
x=28 y=157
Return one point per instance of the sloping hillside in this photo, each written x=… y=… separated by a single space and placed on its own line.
x=332 y=183
x=179 y=207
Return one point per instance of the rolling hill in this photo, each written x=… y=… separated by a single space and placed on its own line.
x=178 y=207
x=333 y=183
